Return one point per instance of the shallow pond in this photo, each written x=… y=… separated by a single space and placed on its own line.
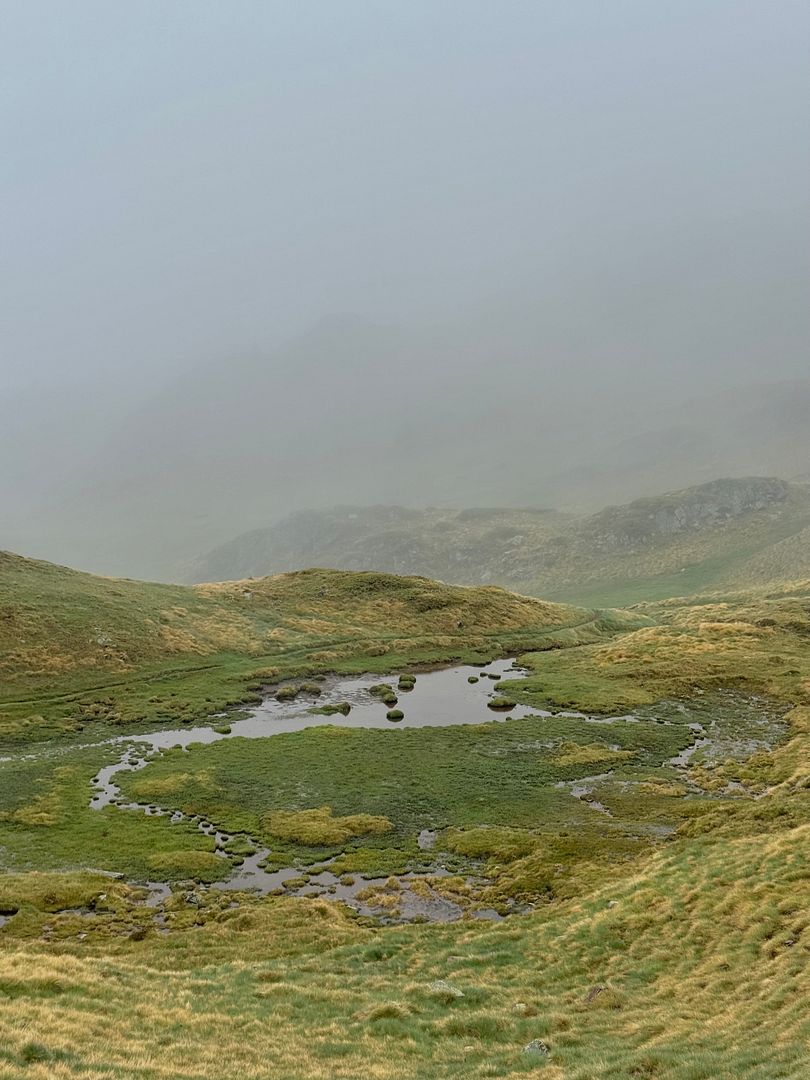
x=438 y=698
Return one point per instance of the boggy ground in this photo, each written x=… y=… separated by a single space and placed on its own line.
x=524 y=806
x=516 y=801
x=679 y=955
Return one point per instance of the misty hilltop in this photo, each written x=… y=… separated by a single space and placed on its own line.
x=703 y=536
x=550 y=256
x=458 y=420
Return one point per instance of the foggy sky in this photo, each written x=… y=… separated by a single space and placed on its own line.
x=548 y=215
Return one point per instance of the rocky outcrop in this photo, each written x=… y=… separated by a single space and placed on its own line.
x=543 y=552
x=619 y=528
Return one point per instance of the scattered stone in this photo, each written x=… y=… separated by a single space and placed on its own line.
x=426 y=839
x=380 y=689
x=522 y=1008
x=536 y=1046
x=343 y=707
x=446 y=990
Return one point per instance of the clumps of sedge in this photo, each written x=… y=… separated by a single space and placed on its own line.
x=290 y=691
x=342 y=707
x=318 y=827
x=501 y=704
x=385 y=692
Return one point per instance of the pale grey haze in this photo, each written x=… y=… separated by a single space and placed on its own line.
x=258 y=257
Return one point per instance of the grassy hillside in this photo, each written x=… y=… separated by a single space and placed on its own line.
x=649 y=953
x=750 y=530
x=753 y=641
x=58 y=621
x=79 y=650
x=679 y=544
x=693 y=968
x=783 y=560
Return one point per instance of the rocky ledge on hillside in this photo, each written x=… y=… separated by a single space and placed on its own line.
x=709 y=505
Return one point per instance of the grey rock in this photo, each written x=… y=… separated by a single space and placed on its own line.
x=536 y=1046
x=441 y=986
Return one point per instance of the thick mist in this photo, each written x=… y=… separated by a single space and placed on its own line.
x=259 y=257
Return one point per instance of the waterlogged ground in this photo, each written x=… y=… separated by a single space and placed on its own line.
x=472 y=812
x=436 y=699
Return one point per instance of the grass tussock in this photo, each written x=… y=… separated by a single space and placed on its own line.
x=319 y=827
x=591 y=754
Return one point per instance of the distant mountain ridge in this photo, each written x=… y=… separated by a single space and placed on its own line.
x=667 y=545
x=704 y=506
x=139 y=485
x=466 y=546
